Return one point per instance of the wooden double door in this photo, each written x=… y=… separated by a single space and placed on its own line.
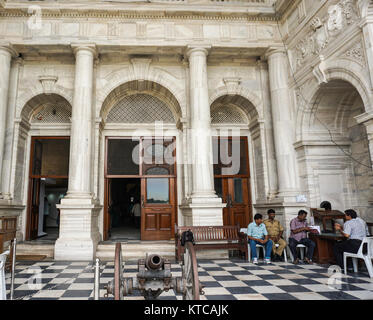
x=235 y=193
x=152 y=162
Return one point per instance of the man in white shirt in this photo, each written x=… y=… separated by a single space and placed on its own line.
x=354 y=231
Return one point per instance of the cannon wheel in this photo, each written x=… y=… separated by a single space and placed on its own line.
x=190 y=273
x=118 y=272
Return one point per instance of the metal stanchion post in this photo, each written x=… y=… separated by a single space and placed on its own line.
x=13 y=268
x=97 y=280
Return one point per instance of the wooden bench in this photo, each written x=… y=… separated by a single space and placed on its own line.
x=212 y=237
x=8 y=229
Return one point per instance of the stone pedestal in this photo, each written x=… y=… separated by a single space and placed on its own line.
x=204 y=205
x=79 y=233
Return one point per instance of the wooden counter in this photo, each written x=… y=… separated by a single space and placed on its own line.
x=323 y=253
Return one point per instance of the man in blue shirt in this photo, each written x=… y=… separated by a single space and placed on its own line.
x=257 y=234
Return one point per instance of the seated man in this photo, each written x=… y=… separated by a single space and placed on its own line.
x=257 y=234
x=299 y=228
x=354 y=230
x=275 y=231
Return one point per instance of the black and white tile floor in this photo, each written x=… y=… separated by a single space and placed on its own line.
x=222 y=280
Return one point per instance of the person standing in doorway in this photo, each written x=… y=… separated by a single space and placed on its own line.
x=136 y=211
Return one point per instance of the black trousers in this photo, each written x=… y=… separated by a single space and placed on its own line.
x=306 y=242
x=345 y=246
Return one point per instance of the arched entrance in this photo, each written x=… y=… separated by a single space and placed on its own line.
x=140 y=175
x=234 y=120
x=334 y=149
x=45 y=120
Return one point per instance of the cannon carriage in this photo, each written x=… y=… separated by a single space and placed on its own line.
x=154 y=275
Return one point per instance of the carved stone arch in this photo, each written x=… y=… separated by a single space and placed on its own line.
x=148 y=92
x=239 y=91
x=132 y=74
x=334 y=71
x=47 y=108
x=37 y=90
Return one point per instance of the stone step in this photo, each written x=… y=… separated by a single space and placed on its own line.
x=35 y=249
x=135 y=251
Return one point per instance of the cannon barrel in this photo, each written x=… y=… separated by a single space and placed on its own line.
x=154 y=262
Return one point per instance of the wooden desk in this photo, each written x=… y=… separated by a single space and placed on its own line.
x=327 y=215
x=323 y=253
x=8 y=229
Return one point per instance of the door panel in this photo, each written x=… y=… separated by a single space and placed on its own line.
x=34 y=208
x=158 y=207
x=235 y=193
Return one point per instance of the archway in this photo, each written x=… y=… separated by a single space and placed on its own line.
x=45 y=128
x=334 y=150
x=237 y=149
x=139 y=128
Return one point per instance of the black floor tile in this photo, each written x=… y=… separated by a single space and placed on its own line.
x=253 y=283
x=241 y=290
x=220 y=297
x=279 y=296
x=339 y=295
x=294 y=288
x=77 y=293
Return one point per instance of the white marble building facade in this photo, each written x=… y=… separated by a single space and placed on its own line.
x=294 y=77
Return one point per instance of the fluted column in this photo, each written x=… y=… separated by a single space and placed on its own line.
x=79 y=233
x=206 y=206
x=6 y=54
x=283 y=124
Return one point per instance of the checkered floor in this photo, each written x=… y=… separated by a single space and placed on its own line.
x=222 y=280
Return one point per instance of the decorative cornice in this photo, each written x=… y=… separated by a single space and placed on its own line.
x=165 y=14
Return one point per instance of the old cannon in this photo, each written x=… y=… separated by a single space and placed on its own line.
x=154 y=275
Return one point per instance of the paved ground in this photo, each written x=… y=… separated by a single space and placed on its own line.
x=223 y=280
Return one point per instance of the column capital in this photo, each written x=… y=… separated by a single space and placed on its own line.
x=7 y=47
x=274 y=50
x=90 y=47
x=194 y=49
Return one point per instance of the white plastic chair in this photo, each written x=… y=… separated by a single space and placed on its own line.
x=2 y=275
x=302 y=248
x=285 y=255
x=360 y=255
x=258 y=246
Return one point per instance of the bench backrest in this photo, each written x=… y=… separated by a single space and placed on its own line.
x=207 y=233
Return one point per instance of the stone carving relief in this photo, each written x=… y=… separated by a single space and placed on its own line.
x=325 y=30
x=356 y=53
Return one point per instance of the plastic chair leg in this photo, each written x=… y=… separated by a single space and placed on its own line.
x=355 y=264
x=368 y=264
x=345 y=263
x=285 y=257
x=302 y=253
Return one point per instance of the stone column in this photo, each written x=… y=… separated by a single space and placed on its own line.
x=10 y=129
x=269 y=140
x=6 y=54
x=79 y=233
x=206 y=206
x=283 y=123
x=367 y=120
